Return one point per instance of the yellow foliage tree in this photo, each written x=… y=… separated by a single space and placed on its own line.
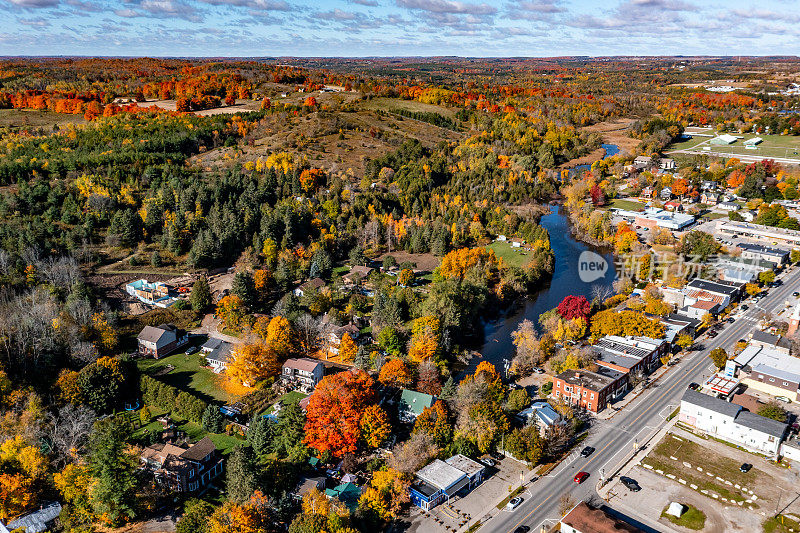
x=347 y=348
x=457 y=262
x=425 y=338
x=375 y=426
x=387 y=493
x=251 y=363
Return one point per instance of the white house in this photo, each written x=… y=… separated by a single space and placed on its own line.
x=305 y=372
x=731 y=423
x=217 y=353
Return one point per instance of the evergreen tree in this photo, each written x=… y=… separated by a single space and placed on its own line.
x=448 y=390
x=212 y=419
x=113 y=470
x=260 y=435
x=289 y=432
x=201 y=295
x=244 y=287
x=241 y=478
x=195 y=517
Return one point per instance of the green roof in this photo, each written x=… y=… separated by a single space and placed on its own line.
x=347 y=493
x=413 y=402
x=313 y=461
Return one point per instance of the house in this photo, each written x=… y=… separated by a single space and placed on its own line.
x=648 y=192
x=591 y=390
x=732 y=423
x=701 y=308
x=672 y=205
x=516 y=242
x=156 y=293
x=348 y=493
x=542 y=415
x=336 y=333
x=183 y=469
x=747 y=215
x=440 y=480
x=708 y=185
x=642 y=162
x=307 y=484
x=728 y=206
x=38 y=521
x=710 y=198
x=412 y=403
x=356 y=275
x=161 y=340
x=665 y=163
x=773 y=254
x=585 y=519
x=310 y=285
x=217 y=353
x=501 y=238
x=630 y=355
x=769 y=370
x=773 y=342
x=794 y=321
x=665 y=194
x=305 y=373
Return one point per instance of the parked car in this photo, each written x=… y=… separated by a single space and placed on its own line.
x=513 y=503
x=489 y=462
x=730 y=320
x=796 y=294
x=193 y=349
x=745 y=467
x=712 y=333
x=694 y=386
x=538 y=370
x=580 y=477
x=630 y=484
x=745 y=307
x=586 y=452
x=522 y=529
x=783 y=399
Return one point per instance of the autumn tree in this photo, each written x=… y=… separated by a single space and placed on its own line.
x=396 y=373
x=231 y=310
x=347 y=348
x=626 y=323
x=387 y=493
x=252 y=362
x=425 y=338
x=252 y=516
x=719 y=356
x=334 y=412
x=405 y=278
x=457 y=263
x=525 y=444
x=435 y=422
x=574 y=307
x=375 y=426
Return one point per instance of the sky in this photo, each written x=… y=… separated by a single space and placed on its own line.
x=359 y=28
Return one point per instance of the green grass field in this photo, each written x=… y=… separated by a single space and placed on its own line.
x=516 y=257
x=224 y=443
x=781 y=524
x=692 y=518
x=188 y=375
x=630 y=205
x=26 y=118
x=787 y=146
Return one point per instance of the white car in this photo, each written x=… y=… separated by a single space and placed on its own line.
x=513 y=503
x=783 y=399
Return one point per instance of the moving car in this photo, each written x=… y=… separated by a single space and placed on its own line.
x=745 y=467
x=488 y=462
x=586 y=452
x=783 y=399
x=580 y=477
x=522 y=529
x=694 y=386
x=513 y=503
x=630 y=484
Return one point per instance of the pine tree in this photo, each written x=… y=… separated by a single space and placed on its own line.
x=241 y=474
x=113 y=494
x=201 y=295
x=212 y=419
x=448 y=390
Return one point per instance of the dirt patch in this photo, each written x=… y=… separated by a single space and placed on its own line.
x=616 y=132
x=588 y=159
x=423 y=261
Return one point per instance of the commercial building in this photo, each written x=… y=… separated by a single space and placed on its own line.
x=723 y=140
x=719 y=292
x=161 y=340
x=768 y=340
x=776 y=256
x=769 y=370
x=591 y=390
x=731 y=423
x=440 y=480
x=652 y=217
x=630 y=355
x=585 y=519
x=759 y=232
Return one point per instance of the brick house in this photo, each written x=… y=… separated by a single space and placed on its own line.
x=183 y=468
x=591 y=390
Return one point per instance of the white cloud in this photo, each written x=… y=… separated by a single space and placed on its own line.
x=448 y=6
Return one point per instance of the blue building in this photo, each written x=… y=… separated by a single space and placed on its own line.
x=440 y=480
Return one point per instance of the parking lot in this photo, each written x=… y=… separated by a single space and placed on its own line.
x=448 y=517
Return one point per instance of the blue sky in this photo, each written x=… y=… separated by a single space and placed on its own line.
x=399 y=27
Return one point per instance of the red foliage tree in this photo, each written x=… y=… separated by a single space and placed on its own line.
x=574 y=307
x=334 y=412
x=598 y=198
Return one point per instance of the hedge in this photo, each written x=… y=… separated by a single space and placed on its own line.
x=172 y=400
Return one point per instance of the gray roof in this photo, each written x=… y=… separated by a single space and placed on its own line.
x=151 y=334
x=37 y=521
x=719 y=287
x=465 y=464
x=712 y=404
x=761 y=423
x=761 y=249
x=440 y=474
x=212 y=344
x=777 y=373
x=773 y=340
x=220 y=354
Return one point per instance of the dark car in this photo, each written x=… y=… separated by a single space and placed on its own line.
x=712 y=333
x=580 y=477
x=730 y=320
x=630 y=484
x=694 y=386
x=586 y=452
x=745 y=307
x=796 y=294
x=193 y=349
x=745 y=467
x=522 y=529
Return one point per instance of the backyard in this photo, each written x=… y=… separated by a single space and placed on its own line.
x=515 y=257
x=188 y=374
x=194 y=432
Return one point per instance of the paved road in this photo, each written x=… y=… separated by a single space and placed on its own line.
x=614 y=438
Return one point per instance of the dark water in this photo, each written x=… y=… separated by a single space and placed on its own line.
x=564 y=282
x=611 y=150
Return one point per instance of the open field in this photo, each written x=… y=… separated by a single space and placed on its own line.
x=423 y=261
x=30 y=118
x=188 y=375
x=630 y=205
x=387 y=104
x=516 y=257
x=773 y=146
x=616 y=132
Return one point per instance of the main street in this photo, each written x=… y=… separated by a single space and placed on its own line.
x=614 y=438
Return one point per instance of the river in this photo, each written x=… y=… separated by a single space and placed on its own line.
x=564 y=282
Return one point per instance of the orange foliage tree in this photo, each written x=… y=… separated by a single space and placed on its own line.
x=231 y=310
x=251 y=363
x=335 y=409
x=253 y=516
x=347 y=348
x=396 y=373
x=456 y=263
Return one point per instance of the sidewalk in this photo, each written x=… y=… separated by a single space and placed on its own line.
x=608 y=414
x=493 y=511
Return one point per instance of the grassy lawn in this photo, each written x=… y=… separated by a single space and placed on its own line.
x=714 y=216
x=772 y=146
x=287 y=399
x=16 y=118
x=692 y=518
x=781 y=524
x=629 y=205
x=516 y=257
x=189 y=376
x=194 y=432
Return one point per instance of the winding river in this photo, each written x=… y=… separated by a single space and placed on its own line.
x=564 y=282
